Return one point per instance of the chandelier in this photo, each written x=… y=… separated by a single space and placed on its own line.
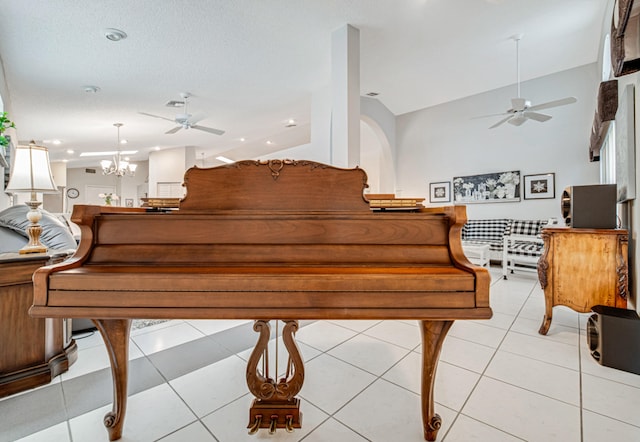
x=118 y=166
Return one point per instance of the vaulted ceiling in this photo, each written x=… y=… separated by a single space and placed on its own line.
x=252 y=65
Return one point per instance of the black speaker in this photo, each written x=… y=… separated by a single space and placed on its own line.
x=613 y=336
x=589 y=207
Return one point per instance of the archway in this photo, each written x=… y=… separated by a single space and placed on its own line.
x=376 y=157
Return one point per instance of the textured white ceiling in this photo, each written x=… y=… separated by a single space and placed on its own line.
x=253 y=64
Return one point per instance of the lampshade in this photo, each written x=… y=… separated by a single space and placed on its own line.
x=31 y=171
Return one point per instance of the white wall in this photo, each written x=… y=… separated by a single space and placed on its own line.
x=444 y=141
x=371 y=158
x=310 y=152
x=378 y=145
x=169 y=166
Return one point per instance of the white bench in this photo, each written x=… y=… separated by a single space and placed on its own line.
x=478 y=254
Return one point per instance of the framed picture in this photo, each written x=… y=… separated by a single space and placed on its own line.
x=541 y=186
x=128 y=202
x=440 y=192
x=499 y=187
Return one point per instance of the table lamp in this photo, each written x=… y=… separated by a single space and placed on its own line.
x=31 y=172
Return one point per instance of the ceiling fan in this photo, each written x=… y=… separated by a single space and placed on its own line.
x=521 y=108
x=184 y=120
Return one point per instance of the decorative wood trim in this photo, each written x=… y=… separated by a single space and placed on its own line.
x=622 y=269
x=115 y=333
x=274 y=185
x=622 y=62
x=433 y=334
x=275 y=405
x=543 y=262
x=605 y=113
x=261 y=385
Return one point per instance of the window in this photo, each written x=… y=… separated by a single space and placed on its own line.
x=608 y=157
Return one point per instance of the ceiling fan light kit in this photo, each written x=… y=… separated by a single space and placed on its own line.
x=521 y=109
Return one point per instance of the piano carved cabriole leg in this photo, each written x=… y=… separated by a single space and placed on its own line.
x=275 y=405
x=115 y=333
x=433 y=334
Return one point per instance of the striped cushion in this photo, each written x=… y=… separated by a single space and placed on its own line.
x=523 y=248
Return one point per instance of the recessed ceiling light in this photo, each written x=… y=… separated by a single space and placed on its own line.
x=157 y=148
x=114 y=34
x=56 y=142
x=70 y=151
x=91 y=89
x=291 y=123
x=242 y=139
x=269 y=142
x=372 y=94
x=123 y=141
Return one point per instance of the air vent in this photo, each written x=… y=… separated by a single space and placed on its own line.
x=89 y=171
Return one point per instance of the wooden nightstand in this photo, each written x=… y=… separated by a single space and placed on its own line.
x=582 y=268
x=32 y=350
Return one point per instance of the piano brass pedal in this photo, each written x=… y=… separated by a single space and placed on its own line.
x=253 y=428
x=275 y=414
x=273 y=424
x=288 y=425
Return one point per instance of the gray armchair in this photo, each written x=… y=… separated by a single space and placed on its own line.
x=13 y=234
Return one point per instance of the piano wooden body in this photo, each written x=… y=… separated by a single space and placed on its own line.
x=267 y=240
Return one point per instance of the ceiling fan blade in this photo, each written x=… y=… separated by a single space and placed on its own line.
x=207 y=129
x=491 y=115
x=518 y=120
x=537 y=116
x=156 y=116
x=174 y=130
x=561 y=102
x=504 y=120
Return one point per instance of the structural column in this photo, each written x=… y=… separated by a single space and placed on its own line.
x=345 y=92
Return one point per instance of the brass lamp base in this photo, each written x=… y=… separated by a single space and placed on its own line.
x=34 y=230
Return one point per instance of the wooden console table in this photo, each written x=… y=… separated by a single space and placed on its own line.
x=32 y=350
x=581 y=268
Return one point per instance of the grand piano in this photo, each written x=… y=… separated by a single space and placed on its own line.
x=267 y=240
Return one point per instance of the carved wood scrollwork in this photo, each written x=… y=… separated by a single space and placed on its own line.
x=622 y=269
x=275 y=166
x=260 y=384
x=275 y=405
x=543 y=263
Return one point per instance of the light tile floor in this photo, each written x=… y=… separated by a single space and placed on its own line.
x=498 y=380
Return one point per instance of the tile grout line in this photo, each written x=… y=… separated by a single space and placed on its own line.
x=580 y=384
x=483 y=374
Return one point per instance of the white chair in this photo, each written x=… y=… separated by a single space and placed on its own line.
x=522 y=246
